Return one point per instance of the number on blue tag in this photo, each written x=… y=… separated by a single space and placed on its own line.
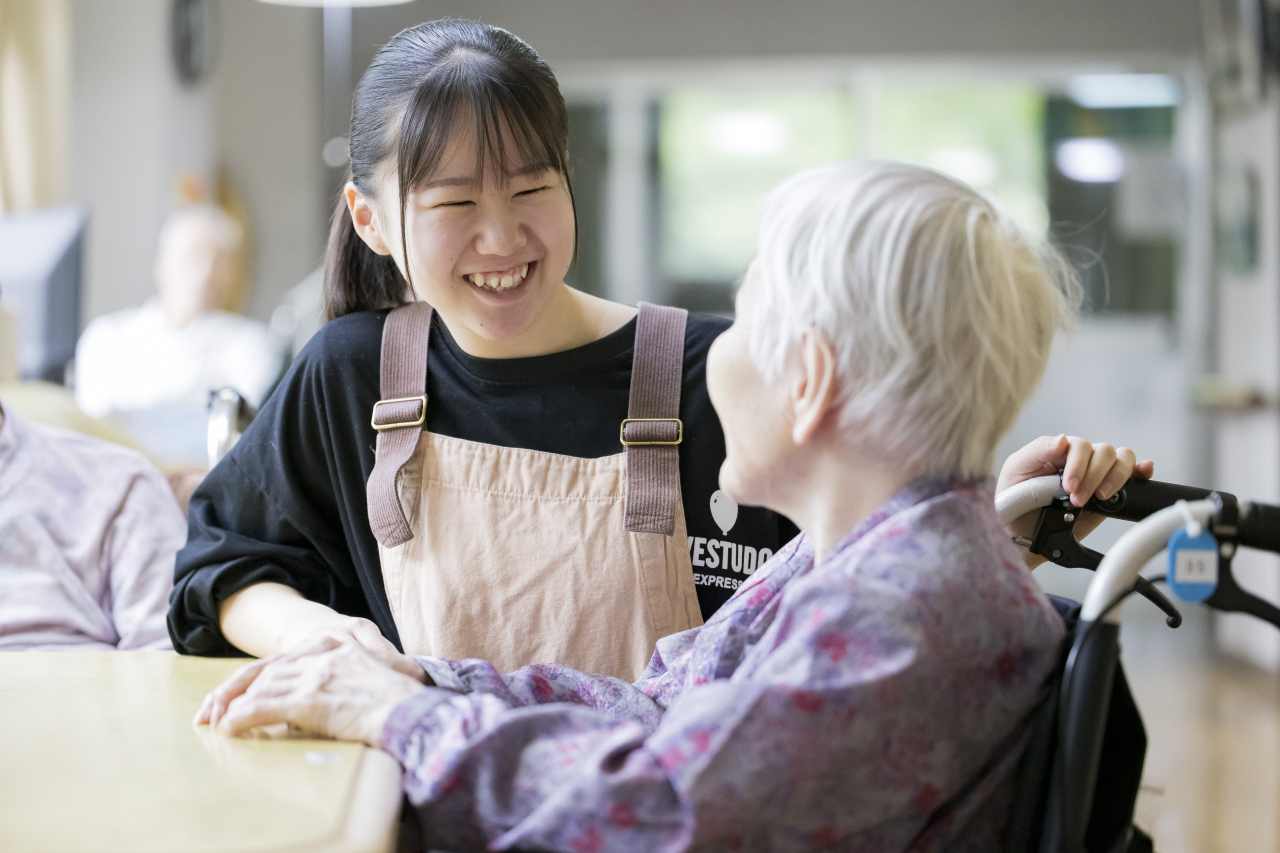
x=1193 y=565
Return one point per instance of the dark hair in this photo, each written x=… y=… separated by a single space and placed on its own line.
x=406 y=105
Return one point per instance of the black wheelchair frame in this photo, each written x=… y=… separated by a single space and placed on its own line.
x=1077 y=781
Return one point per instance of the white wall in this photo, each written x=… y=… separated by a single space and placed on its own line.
x=627 y=29
x=134 y=130
x=269 y=139
x=1248 y=320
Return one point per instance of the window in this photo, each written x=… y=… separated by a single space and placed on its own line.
x=1115 y=202
x=720 y=152
x=987 y=133
x=588 y=172
x=1087 y=159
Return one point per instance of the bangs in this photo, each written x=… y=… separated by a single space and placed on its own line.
x=469 y=86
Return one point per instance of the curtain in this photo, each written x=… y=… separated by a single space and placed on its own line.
x=35 y=102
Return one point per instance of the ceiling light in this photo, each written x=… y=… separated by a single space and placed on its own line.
x=1112 y=91
x=1090 y=160
x=748 y=134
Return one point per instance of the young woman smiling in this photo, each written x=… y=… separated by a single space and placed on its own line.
x=484 y=507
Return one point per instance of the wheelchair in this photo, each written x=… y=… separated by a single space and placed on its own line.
x=1077 y=781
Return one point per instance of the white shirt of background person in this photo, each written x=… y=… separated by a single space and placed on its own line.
x=179 y=344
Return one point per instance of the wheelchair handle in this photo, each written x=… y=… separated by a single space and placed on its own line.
x=1260 y=526
x=1028 y=495
x=1259 y=523
x=1054 y=536
x=1137 y=499
x=1140 y=499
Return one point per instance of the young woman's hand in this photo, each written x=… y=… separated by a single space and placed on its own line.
x=267 y=619
x=352 y=631
x=344 y=692
x=327 y=630
x=1088 y=470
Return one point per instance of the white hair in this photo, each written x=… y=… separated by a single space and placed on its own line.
x=940 y=308
x=214 y=220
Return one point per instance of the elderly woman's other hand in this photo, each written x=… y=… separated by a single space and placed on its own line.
x=1088 y=470
x=344 y=693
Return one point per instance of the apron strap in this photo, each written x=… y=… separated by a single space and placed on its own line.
x=398 y=417
x=653 y=430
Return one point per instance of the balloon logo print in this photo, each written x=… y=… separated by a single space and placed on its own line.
x=724 y=511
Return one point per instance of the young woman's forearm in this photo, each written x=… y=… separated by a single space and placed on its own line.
x=268 y=618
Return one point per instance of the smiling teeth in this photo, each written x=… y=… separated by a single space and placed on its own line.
x=497 y=284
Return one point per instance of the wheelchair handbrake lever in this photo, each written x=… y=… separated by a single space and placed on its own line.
x=1055 y=540
x=1232 y=598
x=1145 y=588
x=1254 y=525
x=1054 y=537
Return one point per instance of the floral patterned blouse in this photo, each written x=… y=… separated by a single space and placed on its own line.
x=873 y=701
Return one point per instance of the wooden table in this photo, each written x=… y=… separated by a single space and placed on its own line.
x=98 y=755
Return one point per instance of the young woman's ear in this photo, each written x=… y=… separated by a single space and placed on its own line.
x=366 y=223
x=813 y=392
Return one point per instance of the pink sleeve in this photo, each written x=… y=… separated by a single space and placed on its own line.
x=750 y=756
x=139 y=550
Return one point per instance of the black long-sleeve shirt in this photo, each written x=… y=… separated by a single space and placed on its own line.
x=287 y=505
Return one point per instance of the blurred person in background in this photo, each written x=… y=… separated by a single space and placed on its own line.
x=88 y=533
x=180 y=344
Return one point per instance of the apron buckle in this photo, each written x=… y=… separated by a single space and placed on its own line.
x=401 y=412
x=622 y=434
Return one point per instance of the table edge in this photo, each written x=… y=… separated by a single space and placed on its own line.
x=373 y=812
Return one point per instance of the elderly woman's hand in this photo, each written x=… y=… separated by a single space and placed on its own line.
x=1088 y=470
x=345 y=693
x=215 y=704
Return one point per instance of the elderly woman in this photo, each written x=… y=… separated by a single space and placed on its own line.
x=866 y=689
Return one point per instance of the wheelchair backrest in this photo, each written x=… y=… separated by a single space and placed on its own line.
x=1040 y=805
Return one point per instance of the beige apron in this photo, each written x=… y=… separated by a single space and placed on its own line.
x=518 y=556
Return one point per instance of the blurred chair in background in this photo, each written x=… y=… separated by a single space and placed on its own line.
x=153 y=366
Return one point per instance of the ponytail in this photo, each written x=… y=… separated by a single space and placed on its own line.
x=356 y=278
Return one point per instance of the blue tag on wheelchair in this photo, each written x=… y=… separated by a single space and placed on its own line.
x=1193 y=565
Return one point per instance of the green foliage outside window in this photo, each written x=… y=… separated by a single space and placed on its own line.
x=988 y=133
x=720 y=152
